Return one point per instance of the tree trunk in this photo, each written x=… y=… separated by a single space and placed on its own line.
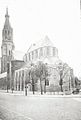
x=45 y=87
x=33 y=89
x=61 y=88
x=41 y=87
x=69 y=85
x=33 y=86
x=26 y=90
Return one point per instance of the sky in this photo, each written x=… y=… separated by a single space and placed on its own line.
x=32 y=20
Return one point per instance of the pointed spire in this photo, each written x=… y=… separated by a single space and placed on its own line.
x=7 y=27
x=7 y=10
x=7 y=13
x=7 y=23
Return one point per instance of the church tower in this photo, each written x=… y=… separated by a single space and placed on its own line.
x=7 y=44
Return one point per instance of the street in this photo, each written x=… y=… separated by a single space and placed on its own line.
x=20 y=107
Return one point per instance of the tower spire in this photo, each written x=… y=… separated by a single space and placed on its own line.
x=7 y=43
x=7 y=16
x=7 y=23
x=7 y=30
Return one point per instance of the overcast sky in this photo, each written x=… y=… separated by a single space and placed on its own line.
x=32 y=20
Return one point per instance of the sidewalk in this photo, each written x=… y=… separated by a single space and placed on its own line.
x=38 y=94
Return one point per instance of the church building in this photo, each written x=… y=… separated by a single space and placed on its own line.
x=15 y=71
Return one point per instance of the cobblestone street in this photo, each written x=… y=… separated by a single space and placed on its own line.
x=20 y=107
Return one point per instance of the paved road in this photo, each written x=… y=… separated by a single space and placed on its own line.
x=19 y=107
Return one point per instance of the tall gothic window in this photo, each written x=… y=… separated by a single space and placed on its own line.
x=29 y=56
x=53 y=51
x=41 y=52
x=48 y=51
x=8 y=32
x=36 y=53
x=5 y=34
x=26 y=58
x=32 y=54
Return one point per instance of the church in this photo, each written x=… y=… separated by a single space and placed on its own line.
x=14 y=71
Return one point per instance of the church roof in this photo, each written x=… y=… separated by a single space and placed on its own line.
x=42 y=43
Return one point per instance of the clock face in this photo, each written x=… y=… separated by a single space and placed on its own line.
x=4 y=50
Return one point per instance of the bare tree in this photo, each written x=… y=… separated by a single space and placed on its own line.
x=63 y=70
x=32 y=77
x=32 y=73
x=41 y=72
x=27 y=80
x=45 y=74
x=61 y=80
